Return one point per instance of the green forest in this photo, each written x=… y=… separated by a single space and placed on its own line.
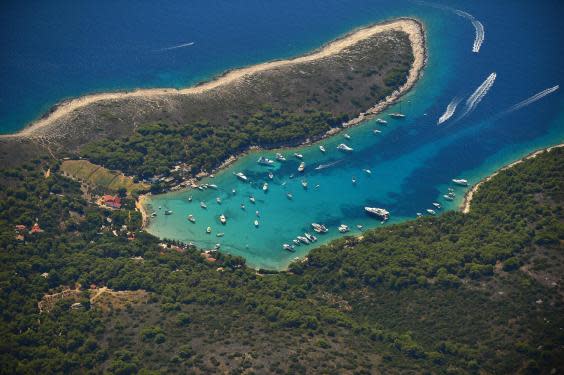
x=454 y=294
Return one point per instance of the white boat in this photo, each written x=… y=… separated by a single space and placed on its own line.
x=354 y=180
x=319 y=228
x=303 y=240
x=223 y=219
x=191 y=218
x=301 y=167
x=299 y=156
x=242 y=206
x=322 y=148
x=270 y=175
x=343 y=228
x=213 y=186
x=256 y=223
x=296 y=242
x=376 y=131
x=233 y=191
x=220 y=234
x=437 y=206
x=287 y=247
x=218 y=200
x=448 y=197
x=257 y=213
x=168 y=212
x=367 y=171
x=190 y=198
x=380 y=121
x=280 y=157
x=265 y=161
x=203 y=205
x=397 y=115
x=347 y=136
x=241 y=176
x=460 y=181
x=265 y=187
x=432 y=212
x=252 y=199
x=379 y=212
x=208 y=230
x=419 y=214
x=304 y=184
x=344 y=147
x=153 y=214
x=359 y=227
x=289 y=195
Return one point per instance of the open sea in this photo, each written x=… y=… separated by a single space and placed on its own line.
x=60 y=49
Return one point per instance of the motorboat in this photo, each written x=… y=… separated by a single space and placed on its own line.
x=299 y=156
x=289 y=195
x=379 y=212
x=319 y=228
x=265 y=187
x=280 y=157
x=310 y=237
x=322 y=148
x=271 y=175
x=380 y=121
x=223 y=219
x=304 y=184
x=265 y=161
x=344 y=147
x=191 y=218
x=242 y=206
x=257 y=213
x=220 y=234
x=303 y=239
x=241 y=176
x=208 y=230
x=190 y=198
x=168 y=212
x=432 y=212
x=376 y=131
x=203 y=205
x=256 y=223
x=288 y=247
x=437 y=206
x=296 y=242
x=367 y=171
x=343 y=228
x=252 y=198
x=448 y=197
x=218 y=200
x=347 y=136
x=460 y=181
x=397 y=115
x=354 y=180
x=301 y=168
x=212 y=186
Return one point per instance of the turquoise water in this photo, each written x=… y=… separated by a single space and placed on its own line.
x=51 y=51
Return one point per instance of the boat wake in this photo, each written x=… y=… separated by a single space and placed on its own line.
x=178 y=46
x=532 y=99
x=475 y=99
x=478 y=26
x=323 y=166
x=450 y=109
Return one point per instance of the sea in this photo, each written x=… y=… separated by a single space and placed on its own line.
x=498 y=64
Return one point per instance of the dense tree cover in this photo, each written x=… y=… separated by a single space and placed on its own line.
x=156 y=147
x=419 y=296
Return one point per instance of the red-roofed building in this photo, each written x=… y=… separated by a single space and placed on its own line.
x=20 y=227
x=36 y=228
x=111 y=201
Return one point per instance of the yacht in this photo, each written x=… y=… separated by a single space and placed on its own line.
x=432 y=212
x=289 y=195
x=344 y=147
x=288 y=247
x=265 y=187
x=379 y=212
x=343 y=228
x=347 y=136
x=397 y=115
x=460 y=181
x=367 y=171
x=448 y=197
x=322 y=148
x=299 y=156
x=380 y=121
x=203 y=205
x=303 y=240
x=256 y=223
x=191 y=218
x=208 y=230
x=304 y=184
x=241 y=176
x=252 y=198
x=301 y=167
x=437 y=206
x=168 y=212
x=265 y=161
x=310 y=237
x=218 y=200
x=319 y=228
x=280 y=157
x=222 y=219
x=270 y=175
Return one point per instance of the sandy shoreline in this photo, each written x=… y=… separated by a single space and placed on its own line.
x=411 y=26
x=465 y=206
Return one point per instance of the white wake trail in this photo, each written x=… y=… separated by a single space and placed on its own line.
x=450 y=109
x=478 y=26
x=178 y=46
x=475 y=99
x=532 y=99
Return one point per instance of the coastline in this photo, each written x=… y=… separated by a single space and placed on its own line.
x=411 y=26
x=466 y=203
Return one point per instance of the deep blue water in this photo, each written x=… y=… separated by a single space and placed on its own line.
x=55 y=50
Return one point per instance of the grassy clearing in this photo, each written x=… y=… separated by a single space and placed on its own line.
x=100 y=177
